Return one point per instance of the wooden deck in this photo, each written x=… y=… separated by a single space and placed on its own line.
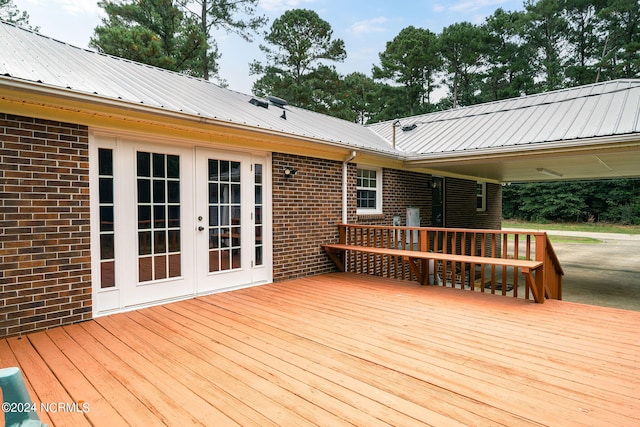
x=340 y=349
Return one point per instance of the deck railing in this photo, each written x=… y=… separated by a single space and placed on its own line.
x=505 y=280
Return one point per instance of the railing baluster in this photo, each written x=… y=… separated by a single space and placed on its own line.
x=493 y=267
x=528 y=255
x=476 y=243
x=505 y=247
x=390 y=234
x=516 y=248
x=454 y=265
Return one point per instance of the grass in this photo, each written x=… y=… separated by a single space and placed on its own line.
x=574 y=239
x=565 y=239
x=589 y=227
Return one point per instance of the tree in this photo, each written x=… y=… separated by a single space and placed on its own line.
x=508 y=72
x=222 y=14
x=621 y=51
x=615 y=200
x=412 y=60
x=360 y=98
x=299 y=41
x=583 y=38
x=463 y=46
x=9 y=13
x=545 y=27
x=153 y=32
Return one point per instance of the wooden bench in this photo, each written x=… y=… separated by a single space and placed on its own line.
x=527 y=267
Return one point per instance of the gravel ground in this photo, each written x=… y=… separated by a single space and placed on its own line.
x=605 y=274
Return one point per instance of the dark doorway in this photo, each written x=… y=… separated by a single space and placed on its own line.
x=437 y=202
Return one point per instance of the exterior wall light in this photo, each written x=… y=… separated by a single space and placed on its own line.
x=289 y=171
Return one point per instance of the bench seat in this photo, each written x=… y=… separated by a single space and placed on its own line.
x=527 y=267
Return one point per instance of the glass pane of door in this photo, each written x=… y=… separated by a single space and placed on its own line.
x=158 y=200
x=225 y=220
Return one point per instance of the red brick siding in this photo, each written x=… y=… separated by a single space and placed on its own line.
x=460 y=205
x=45 y=273
x=306 y=209
x=401 y=190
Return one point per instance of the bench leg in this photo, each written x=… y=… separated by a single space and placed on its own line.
x=415 y=268
x=535 y=285
x=335 y=258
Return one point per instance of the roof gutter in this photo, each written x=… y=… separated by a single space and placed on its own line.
x=630 y=140
x=73 y=97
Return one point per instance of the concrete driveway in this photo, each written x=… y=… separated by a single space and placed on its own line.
x=605 y=274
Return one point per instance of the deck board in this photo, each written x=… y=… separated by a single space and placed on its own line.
x=341 y=349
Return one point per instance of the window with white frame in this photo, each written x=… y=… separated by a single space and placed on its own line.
x=369 y=188
x=481 y=196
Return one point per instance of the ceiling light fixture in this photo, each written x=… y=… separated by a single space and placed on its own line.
x=549 y=172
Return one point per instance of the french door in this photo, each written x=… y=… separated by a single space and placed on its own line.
x=230 y=217
x=172 y=222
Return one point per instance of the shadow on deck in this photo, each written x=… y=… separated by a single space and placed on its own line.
x=340 y=349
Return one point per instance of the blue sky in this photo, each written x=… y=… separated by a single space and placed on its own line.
x=364 y=25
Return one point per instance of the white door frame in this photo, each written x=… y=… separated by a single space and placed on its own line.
x=128 y=293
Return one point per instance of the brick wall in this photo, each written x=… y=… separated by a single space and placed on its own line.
x=45 y=275
x=492 y=218
x=400 y=190
x=308 y=205
x=306 y=209
x=460 y=210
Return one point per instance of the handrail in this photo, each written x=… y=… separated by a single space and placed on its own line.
x=506 y=280
x=553 y=272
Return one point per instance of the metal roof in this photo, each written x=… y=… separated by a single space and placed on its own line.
x=597 y=110
x=585 y=132
x=32 y=57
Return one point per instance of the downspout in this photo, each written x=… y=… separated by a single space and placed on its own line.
x=344 y=186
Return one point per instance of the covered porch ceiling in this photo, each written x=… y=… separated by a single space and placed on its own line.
x=579 y=162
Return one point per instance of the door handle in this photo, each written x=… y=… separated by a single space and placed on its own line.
x=200 y=228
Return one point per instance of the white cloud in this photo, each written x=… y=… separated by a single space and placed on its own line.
x=282 y=5
x=473 y=5
x=374 y=25
x=71 y=7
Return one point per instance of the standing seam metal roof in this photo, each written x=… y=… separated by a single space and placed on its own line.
x=603 y=109
x=31 y=57
x=597 y=110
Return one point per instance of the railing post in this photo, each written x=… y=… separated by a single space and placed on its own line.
x=541 y=251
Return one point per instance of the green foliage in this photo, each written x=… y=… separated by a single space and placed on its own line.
x=545 y=27
x=615 y=201
x=584 y=40
x=153 y=32
x=463 y=47
x=236 y=16
x=412 y=60
x=621 y=29
x=357 y=95
x=170 y=34
x=9 y=12
x=295 y=69
x=508 y=71
x=551 y=44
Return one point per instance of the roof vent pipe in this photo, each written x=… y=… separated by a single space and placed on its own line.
x=393 y=133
